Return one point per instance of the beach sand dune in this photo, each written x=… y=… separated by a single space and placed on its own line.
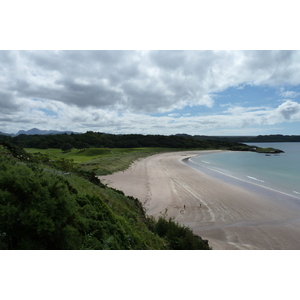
x=228 y=215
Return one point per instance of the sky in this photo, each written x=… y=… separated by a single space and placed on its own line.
x=151 y=92
x=100 y=84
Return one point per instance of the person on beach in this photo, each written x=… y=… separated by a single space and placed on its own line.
x=184 y=206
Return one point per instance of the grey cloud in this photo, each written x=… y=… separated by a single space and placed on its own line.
x=273 y=67
x=90 y=66
x=261 y=59
x=107 y=57
x=7 y=59
x=6 y=99
x=145 y=98
x=170 y=60
x=17 y=119
x=120 y=74
x=75 y=61
x=23 y=89
x=140 y=81
x=8 y=104
x=5 y=119
x=289 y=109
x=88 y=95
x=45 y=60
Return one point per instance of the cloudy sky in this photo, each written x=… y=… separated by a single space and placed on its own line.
x=219 y=92
x=151 y=92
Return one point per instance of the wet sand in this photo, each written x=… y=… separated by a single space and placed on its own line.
x=228 y=215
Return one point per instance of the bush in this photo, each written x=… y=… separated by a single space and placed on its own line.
x=179 y=237
x=41 y=211
x=66 y=147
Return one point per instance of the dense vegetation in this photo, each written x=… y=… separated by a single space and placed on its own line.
x=273 y=138
x=101 y=161
x=100 y=140
x=50 y=197
x=53 y=204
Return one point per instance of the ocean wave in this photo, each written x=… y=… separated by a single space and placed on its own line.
x=238 y=167
x=253 y=180
x=250 y=177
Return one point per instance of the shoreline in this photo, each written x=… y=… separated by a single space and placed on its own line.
x=271 y=191
x=227 y=215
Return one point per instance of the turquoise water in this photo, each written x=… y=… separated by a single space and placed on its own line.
x=279 y=172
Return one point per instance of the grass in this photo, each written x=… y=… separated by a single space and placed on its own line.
x=78 y=156
x=101 y=161
x=129 y=216
x=124 y=209
x=265 y=150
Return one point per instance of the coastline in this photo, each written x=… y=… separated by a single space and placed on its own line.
x=228 y=215
x=272 y=190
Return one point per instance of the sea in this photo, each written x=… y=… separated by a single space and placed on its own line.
x=259 y=172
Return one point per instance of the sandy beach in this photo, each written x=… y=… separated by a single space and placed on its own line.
x=227 y=215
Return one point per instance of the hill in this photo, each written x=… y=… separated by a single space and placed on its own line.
x=34 y=131
x=3 y=133
x=47 y=204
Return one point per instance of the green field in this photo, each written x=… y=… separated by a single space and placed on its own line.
x=102 y=161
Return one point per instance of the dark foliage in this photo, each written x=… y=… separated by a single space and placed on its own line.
x=91 y=176
x=66 y=147
x=179 y=237
x=101 y=140
x=42 y=211
x=273 y=138
x=16 y=151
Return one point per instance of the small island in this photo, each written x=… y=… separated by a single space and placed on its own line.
x=268 y=150
x=244 y=147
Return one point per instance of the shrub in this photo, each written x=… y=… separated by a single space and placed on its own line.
x=41 y=211
x=66 y=147
x=179 y=237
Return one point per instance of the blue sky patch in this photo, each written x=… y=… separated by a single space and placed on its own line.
x=48 y=112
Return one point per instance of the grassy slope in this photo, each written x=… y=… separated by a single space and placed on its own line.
x=102 y=161
x=124 y=209
x=142 y=231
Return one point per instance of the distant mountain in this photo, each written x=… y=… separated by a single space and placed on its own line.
x=43 y=132
x=3 y=133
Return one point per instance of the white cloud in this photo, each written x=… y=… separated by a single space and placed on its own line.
x=288 y=94
x=153 y=81
x=287 y=111
x=88 y=90
x=233 y=119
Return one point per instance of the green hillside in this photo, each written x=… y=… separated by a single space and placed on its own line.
x=101 y=161
x=55 y=204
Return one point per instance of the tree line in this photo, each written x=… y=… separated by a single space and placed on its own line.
x=273 y=138
x=102 y=140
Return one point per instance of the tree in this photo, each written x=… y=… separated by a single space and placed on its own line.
x=82 y=145
x=66 y=147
